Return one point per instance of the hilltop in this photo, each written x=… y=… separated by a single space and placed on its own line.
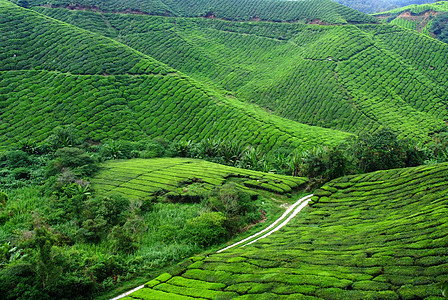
x=377 y=6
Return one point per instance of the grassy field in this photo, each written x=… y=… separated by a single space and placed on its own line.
x=181 y=176
x=350 y=78
x=379 y=235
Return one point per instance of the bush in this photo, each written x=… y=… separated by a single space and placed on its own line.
x=207 y=229
x=75 y=159
x=17 y=159
x=3 y=198
x=379 y=151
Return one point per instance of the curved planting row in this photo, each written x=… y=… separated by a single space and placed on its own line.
x=126 y=106
x=340 y=77
x=132 y=107
x=139 y=178
x=31 y=40
x=404 y=23
x=307 y=10
x=380 y=235
x=429 y=57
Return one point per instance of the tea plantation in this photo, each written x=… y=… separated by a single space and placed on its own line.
x=379 y=235
x=429 y=19
x=350 y=78
x=183 y=177
x=108 y=90
x=304 y=11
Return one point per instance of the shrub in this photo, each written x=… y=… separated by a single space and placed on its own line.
x=207 y=229
x=3 y=198
x=17 y=159
x=80 y=162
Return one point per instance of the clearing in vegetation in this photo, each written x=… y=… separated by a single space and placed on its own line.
x=380 y=235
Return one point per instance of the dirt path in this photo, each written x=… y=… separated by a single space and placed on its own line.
x=297 y=207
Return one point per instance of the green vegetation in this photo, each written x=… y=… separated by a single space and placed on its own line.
x=428 y=19
x=418 y=9
x=122 y=104
x=343 y=77
x=277 y=11
x=63 y=237
x=132 y=136
x=377 y=6
x=183 y=178
x=380 y=235
x=404 y=23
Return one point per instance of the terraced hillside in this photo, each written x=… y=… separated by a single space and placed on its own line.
x=378 y=6
x=418 y=17
x=270 y=10
x=350 y=78
x=52 y=73
x=183 y=177
x=381 y=235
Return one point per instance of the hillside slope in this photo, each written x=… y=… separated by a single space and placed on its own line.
x=429 y=19
x=377 y=6
x=270 y=10
x=380 y=235
x=53 y=73
x=351 y=78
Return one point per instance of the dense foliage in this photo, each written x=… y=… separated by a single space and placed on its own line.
x=380 y=235
x=333 y=76
x=440 y=27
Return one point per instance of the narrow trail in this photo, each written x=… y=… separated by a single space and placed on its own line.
x=128 y=293
x=290 y=213
x=301 y=203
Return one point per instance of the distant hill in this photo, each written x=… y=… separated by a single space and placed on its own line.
x=428 y=19
x=53 y=73
x=377 y=6
x=326 y=11
x=350 y=78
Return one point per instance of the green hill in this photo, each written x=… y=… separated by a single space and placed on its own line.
x=377 y=6
x=429 y=19
x=46 y=81
x=270 y=10
x=350 y=78
x=380 y=235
